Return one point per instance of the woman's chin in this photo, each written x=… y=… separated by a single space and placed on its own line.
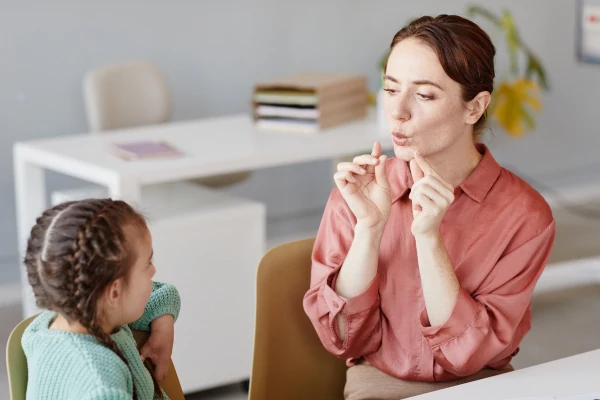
x=404 y=153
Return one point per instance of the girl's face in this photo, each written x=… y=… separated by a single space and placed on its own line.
x=126 y=298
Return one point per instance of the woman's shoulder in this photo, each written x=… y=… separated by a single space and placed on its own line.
x=336 y=202
x=523 y=197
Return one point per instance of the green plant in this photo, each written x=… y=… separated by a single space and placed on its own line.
x=517 y=95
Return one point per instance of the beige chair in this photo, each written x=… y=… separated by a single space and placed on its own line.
x=126 y=95
x=135 y=93
x=16 y=364
x=289 y=360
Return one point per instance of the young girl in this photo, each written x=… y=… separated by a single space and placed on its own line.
x=90 y=264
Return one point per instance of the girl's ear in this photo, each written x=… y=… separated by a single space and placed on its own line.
x=114 y=293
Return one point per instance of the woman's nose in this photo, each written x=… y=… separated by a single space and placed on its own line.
x=400 y=109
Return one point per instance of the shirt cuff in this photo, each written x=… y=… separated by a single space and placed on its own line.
x=356 y=304
x=464 y=313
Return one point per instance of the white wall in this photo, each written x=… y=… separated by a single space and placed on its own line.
x=213 y=51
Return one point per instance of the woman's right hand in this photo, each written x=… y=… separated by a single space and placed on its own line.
x=364 y=185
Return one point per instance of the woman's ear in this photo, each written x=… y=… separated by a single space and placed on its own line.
x=477 y=107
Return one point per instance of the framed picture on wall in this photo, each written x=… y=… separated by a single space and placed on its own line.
x=588 y=31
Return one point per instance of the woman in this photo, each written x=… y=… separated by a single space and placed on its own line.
x=424 y=264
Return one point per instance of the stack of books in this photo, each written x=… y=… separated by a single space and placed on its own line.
x=308 y=103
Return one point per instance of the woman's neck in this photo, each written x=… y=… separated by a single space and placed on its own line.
x=455 y=164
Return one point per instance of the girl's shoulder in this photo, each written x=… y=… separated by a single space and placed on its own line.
x=58 y=359
x=73 y=350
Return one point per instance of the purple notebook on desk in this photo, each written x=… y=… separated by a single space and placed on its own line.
x=145 y=149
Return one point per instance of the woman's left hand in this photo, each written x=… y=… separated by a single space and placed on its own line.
x=431 y=197
x=159 y=346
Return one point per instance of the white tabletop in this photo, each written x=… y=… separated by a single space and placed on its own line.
x=212 y=146
x=576 y=375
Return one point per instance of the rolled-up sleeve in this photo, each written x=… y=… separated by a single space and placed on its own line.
x=164 y=300
x=361 y=314
x=487 y=327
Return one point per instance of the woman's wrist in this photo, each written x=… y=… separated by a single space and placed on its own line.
x=430 y=239
x=371 y=234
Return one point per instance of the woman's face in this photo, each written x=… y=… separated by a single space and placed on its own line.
x=423 y=105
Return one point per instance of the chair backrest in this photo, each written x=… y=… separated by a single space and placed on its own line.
x=125 y=95
x=16 y=364
x=170 y=384
x=290 y=362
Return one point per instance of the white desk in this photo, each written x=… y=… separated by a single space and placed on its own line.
x=576 y=375
x=212 y=146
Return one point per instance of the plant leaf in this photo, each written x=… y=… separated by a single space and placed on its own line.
x=513 y=104
x=512 y=40
x=534 y=67
x=473 y=11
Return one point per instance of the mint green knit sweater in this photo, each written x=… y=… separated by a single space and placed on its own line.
x=65 y=366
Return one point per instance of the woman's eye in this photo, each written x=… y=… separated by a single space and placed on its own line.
x=424 y=96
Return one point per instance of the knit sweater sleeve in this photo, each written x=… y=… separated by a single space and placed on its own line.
x=108 y=393
x=163 y=300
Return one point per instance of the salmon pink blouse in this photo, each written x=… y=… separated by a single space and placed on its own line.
x=498 y=233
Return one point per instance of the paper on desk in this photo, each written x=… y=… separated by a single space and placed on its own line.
x=287 y=112
x=590 y=396
x=535 y=398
